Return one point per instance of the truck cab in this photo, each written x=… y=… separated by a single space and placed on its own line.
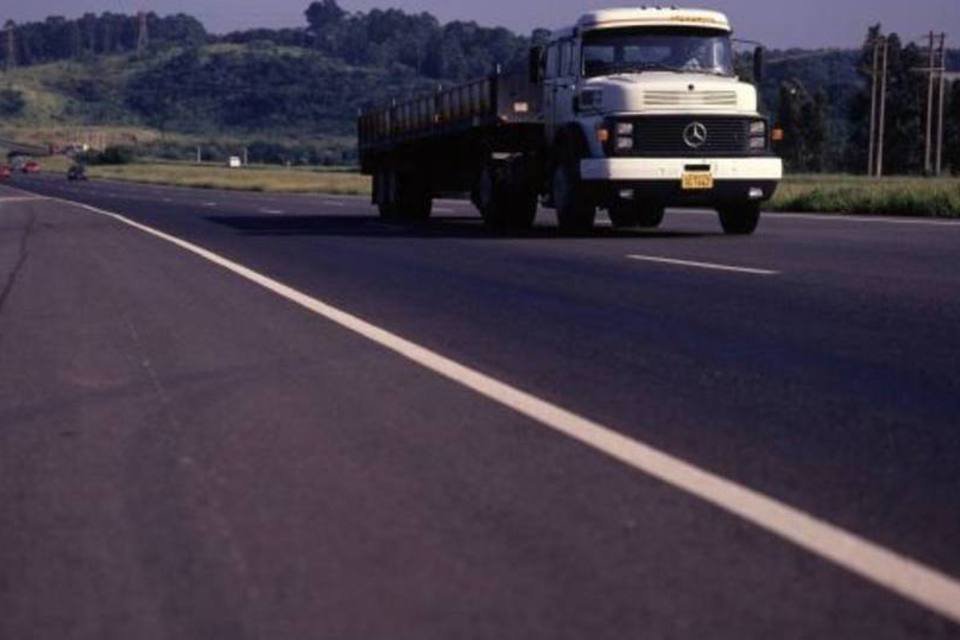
x=642 y=110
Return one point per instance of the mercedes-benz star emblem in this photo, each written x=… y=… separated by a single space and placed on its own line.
x=695 y=135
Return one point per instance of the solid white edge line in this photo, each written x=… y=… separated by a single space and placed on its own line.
x=896 y=572
x=836 y=217
x=703 y=265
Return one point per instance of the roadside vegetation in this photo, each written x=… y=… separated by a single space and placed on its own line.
x=250 y=178
x=917 y=197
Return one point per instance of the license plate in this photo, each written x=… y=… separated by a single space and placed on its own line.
x=697 y=181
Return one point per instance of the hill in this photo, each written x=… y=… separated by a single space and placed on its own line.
x=291 y=95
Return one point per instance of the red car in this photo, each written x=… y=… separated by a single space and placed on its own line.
x=31 y=167
x=5 y=172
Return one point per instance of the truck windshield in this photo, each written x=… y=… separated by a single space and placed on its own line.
x=687 y=50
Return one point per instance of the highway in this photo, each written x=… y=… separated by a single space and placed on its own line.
x=241 y=415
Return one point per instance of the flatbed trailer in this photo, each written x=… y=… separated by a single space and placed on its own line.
x=474 y=137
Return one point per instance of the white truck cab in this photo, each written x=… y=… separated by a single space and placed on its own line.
x=629 y=110
x=643 y=110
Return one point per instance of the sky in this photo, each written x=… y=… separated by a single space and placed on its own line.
x=777 y=23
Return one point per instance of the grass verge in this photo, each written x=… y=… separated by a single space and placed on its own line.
x=901 y=196
x=280 y=180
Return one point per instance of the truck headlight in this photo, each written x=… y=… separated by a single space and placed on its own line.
x=758 y=135
x=624 y=128
x=624 y=143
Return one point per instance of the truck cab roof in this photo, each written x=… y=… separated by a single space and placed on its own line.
x=647 y=17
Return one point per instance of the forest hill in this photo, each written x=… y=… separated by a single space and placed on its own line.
x=312 y=79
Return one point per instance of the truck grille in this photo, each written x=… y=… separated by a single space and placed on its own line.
x=663 y=136
x=690 y=98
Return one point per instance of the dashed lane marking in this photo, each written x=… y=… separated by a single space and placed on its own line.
x=703 y=265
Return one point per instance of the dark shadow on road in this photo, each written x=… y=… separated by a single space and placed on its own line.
x=462 y=227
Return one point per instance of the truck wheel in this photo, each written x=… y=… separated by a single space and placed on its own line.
x=739 y=220
x=631 y=214
x=386 y=192
x=575 y=210
x=504 y=206
x=414 y=198
x=623 y=215
x=650 y=216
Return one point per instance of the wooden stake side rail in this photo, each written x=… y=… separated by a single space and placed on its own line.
x=492 y=101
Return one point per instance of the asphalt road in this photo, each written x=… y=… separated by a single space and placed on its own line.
x=186 y=454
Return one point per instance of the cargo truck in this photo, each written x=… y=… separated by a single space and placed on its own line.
x=630 y=110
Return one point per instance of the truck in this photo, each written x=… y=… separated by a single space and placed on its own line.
x=630 y=110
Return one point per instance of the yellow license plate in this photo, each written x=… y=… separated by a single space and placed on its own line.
x=697 y=180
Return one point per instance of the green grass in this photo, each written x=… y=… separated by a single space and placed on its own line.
x=208 y=176
x=900 y=196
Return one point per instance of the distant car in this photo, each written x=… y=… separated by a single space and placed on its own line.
x=5 y=172
x=31 y=167
x=77 y=172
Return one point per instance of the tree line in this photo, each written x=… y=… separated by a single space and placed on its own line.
x=313 y=78
x=825 y=110
x=58 y=38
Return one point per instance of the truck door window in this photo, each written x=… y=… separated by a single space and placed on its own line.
x=566 y=58
x=553 y=61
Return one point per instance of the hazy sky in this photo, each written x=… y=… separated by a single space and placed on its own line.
x=778 y=23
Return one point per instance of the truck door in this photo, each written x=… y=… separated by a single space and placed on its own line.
x=565 y=85
x=551 y=80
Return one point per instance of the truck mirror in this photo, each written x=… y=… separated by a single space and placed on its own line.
x=759 y=64
x=536 y=65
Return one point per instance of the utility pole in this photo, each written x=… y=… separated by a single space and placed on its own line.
x=142 y=35
x=928 y=138
x=883 y=107
x=873 y=107
x=10 y=29
x=943 y=88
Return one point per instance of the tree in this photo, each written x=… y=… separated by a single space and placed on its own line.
x=326 y=13
x=804 y=122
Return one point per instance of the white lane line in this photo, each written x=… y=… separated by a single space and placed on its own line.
x=704 y=265
x=209 y=204
x=333 y=203
x=272 y=211
x=20 y=198
x=838 y=217
x=900 y=574
x=874 y=219
x=444 y=210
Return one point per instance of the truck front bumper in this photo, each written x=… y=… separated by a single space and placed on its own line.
x=735 y=179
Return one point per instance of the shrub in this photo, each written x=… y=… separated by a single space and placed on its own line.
x=110 y=155
x=12 y=102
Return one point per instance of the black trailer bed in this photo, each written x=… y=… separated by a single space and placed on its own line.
x=489 y=103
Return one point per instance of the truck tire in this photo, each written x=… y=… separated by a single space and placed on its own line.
x=576 y=211
x=403 y=196
x=414 y=200
x=503 y=204
x=386 y=194
x=632 y=214
x=741 y=219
